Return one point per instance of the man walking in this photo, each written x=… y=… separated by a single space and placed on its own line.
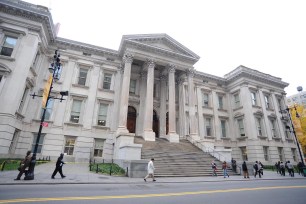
x=150 y=170
x=25 y=163
x=245 y=170
x=59 y=166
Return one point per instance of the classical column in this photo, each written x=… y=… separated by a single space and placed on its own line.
x=124 y=99
x=163 y=107
x=118 y=80
x=192 y=116
x=172 y=135
x=182 y=113
x=142 y=105
x=148 y=133
x=200 y=113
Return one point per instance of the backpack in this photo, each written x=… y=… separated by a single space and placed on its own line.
x=255 y=166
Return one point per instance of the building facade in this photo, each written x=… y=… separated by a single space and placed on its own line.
x=147 y=88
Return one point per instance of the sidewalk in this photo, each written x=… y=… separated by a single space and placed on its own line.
x=78 y=173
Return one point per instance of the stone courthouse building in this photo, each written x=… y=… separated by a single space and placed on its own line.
x=147 y=88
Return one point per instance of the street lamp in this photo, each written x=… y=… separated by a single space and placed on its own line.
x=55 y=69
x=287 y=111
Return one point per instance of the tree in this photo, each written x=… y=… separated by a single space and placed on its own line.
x=299 y=124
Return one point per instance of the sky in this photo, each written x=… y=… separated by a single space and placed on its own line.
x=266 y=35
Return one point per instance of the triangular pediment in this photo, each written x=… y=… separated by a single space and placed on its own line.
x=161 y=42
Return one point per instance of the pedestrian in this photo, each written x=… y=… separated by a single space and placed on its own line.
x=245 y=170
x=214 y=168
x=276 y=167
x=59 y=167
x=234 y=165
x=24 y=165
x=224 y=167
x=260 y=169
x=151 y=169
x=290 y=169
x=300 y=168
x=256 y=169
x=282 y=168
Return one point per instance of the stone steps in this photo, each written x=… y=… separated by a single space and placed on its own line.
x=178 y=159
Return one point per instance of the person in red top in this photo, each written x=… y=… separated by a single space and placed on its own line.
x=224 y=167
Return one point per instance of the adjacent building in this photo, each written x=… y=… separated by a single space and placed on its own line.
x=147 y=88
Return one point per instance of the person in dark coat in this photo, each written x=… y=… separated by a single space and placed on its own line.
x=245 y=170
x=59 y=166
x=25 y=163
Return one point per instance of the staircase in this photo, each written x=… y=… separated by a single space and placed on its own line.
x=178 y=159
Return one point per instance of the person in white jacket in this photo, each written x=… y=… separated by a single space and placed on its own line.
x=150 y=170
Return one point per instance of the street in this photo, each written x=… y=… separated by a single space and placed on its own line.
x=230 y=192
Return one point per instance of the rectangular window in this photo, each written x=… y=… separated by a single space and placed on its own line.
x=253 y=96
x=8 y=46
x=259 y=126
x=223 y=128
x=133 y=86
x=273 y=128
x=287 y=131
x=82 y=76
x=208 y=127
x=69 y=145
x=24 y=97
x=241 y=127
x=154 y=91
x=244 y=153
x=48 y=109
x=237 y=100
x=40 y=142
x=102 y=117
x=220 y=100
x=75 y=111
x=266 y=153
x=14 y=141
x=267 y=101
x=205 y=99
x=280 y=154
x=98 y=151
x=107 y=81
x=293 y=150
x=280 y=104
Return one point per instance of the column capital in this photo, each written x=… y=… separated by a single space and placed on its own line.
x=171 y=68
x=128 y=57
x=150 y=62
x=180 y=81
x=120 y=68
x=190 y=72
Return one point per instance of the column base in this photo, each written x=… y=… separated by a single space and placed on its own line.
x=122 y=131
x=148 y=135
x=173 y=137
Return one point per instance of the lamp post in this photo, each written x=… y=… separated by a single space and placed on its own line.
x=287 y=111
x=55 y=70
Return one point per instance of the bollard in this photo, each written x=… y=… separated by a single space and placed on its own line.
x=110 y=169
x=97 y=169
x=127 y=171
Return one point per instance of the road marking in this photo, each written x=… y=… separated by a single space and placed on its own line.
x=144 y=195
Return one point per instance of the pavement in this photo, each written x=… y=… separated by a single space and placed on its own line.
x=78 y=173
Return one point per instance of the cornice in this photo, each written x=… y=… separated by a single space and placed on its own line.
x=242 y=71
x=62 y=42
x=31 y=12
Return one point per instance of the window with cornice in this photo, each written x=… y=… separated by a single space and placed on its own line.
x=220 y=102
x=237 y=100
x=254 y=98
x=268 y=101
x=208 y=127
x=259 y=126
x=23 y=99
x=107 y=80
x=205 y=98
x=274 y=128
x=241 y=127
x=102 y=115
x=82 y=76
x=76 y=111
x=223 y=128
x=8 y=45
x=132 y=89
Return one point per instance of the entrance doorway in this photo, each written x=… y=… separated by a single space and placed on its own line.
x=155 y=124
x=131 y=119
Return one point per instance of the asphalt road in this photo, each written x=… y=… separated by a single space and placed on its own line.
x=226 y=192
